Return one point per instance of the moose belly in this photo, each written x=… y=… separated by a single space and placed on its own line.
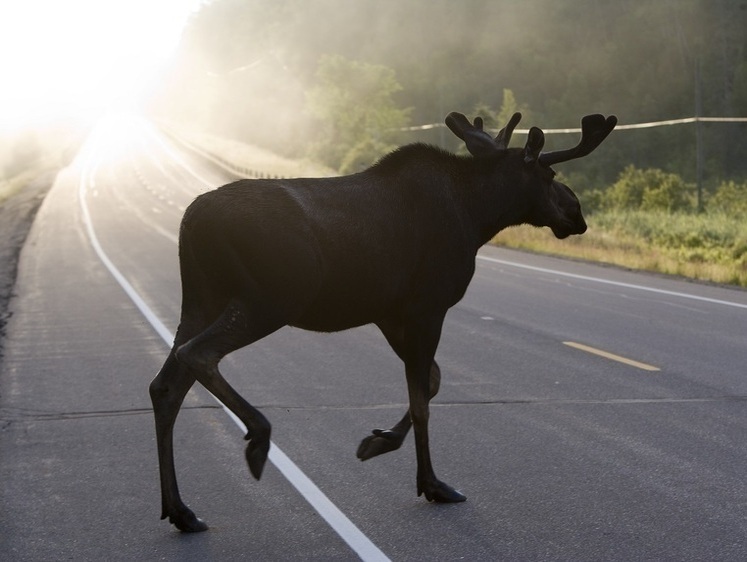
x=346 y=307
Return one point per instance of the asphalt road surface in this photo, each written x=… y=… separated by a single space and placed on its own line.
x=588 y=413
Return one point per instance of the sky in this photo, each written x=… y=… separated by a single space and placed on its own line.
x=69 y=58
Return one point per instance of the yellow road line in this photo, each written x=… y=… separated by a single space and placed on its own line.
x=611 y=356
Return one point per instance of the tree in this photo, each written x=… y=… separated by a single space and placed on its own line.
x=357 y=115
x=496 y=119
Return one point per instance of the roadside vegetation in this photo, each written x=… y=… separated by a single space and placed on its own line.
x=648 y=220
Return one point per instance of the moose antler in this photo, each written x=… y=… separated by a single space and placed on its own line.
x=479 y=142
x=594 y=129
x=504 y=135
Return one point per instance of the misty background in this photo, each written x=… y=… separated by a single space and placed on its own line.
x=338 y=80
x=342 y=82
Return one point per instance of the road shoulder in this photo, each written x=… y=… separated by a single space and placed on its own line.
x=16 y=217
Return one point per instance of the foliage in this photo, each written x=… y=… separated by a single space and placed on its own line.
x=362 y=155
x=244 y=69
x=650 y=189
x=713 y=238
x=497 y=119
x=730 y=199
x=357 y=116
x=709 y=246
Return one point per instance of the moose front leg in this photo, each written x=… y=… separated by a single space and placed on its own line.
x=386 y=440
x=421 y=341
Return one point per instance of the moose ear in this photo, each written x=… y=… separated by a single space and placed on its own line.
x=479 y=143
x=534 y=145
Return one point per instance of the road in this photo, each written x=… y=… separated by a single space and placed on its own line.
x=588 y=413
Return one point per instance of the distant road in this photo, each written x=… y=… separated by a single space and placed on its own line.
x=587 y=412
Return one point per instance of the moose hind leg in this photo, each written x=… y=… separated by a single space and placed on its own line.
x=167 y=393
x=201 y=354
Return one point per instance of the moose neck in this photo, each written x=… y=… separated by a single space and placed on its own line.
x=491 y=195
x=483 y=195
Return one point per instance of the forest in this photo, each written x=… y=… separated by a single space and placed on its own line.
x=341 y=81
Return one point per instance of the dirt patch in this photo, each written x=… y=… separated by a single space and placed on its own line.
x=16 y=216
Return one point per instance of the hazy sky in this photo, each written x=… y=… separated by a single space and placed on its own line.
x=82 y=56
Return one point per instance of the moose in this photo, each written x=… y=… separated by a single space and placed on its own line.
x=393 y=245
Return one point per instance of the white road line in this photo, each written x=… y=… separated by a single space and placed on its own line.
x=334 y=517
x=174 y=156
x=150 y=316
x=614 y=283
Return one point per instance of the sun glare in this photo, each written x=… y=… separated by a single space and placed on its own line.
x=81 y=58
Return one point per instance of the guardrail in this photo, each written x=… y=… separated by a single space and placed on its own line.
x=237 y=170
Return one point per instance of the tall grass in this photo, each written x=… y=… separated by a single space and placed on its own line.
x=710 y=247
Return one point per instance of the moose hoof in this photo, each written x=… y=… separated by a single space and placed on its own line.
x=441 y=493
x=382 y=441
x=187 y=522
x=256 y=456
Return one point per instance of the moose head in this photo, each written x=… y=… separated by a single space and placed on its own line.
x=556 y=205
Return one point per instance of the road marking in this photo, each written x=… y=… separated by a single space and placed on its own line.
x=334 y=517
x=615 y=283
x=612 y=356
x=174 y=156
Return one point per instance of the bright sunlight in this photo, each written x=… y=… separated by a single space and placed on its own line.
x=82 y=58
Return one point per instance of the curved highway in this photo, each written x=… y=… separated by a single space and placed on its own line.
x=588 y=413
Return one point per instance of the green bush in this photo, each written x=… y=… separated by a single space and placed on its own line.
x=650 y=190
x=592 y=200
x=730 y=198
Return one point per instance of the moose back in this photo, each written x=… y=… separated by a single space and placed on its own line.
x=394 y=245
